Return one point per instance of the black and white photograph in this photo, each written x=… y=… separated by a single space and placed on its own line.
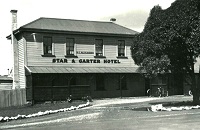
x=100 y=65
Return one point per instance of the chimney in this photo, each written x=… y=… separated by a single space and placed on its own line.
x=15 y=53
x=14 y=19
x=113 y=19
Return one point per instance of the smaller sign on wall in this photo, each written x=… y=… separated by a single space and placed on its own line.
x=84 y=52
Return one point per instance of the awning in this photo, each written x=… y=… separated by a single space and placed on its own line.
x=34 y=69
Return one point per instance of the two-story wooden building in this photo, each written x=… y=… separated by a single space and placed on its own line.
x=61 y=57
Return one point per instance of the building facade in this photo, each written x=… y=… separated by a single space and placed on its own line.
x=62 y=57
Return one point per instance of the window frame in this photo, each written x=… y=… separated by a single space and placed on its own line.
x=99 y=55
x=71 y=48
x=121 y=48
x=45 y=46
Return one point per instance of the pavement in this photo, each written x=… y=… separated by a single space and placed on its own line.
x=115 y=114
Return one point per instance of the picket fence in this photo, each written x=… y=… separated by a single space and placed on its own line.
x=10 y=98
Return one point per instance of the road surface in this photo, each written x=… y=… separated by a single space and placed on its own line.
x=115 y=114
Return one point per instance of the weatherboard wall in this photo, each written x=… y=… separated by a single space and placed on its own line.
x=83 y=43
x=21 y=62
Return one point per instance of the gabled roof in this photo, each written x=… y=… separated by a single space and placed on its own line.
x=80 y=26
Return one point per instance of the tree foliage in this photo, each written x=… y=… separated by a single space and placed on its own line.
x=170 y=41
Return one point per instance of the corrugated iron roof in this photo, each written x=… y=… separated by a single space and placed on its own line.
x=35 y=69
x=5 y=77
x=71 y=25
x=43 y=69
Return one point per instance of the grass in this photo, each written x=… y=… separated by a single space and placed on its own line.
x=179 y=104
x=29 y=109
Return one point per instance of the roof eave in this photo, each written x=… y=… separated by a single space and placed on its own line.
x=17 y=31
x=73 y=32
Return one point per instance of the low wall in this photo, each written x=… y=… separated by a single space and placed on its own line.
x=15 y=97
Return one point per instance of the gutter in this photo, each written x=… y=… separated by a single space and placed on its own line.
x=68 y=32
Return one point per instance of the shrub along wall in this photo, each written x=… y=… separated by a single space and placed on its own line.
x=15 y=97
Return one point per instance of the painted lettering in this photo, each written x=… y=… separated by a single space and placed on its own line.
x=65 y=60
x=112 y=61
x=108 y=61
x=84 y=52
x=59 y=60
x=91 y=60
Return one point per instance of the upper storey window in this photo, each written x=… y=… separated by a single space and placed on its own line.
x=121 y=48
x=47 y=46
x=99 y=48
x=70 y=46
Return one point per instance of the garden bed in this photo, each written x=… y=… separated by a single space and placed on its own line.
x=27 y=111
x=174 y=106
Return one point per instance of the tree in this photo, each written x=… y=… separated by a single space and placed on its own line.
x=170 y=41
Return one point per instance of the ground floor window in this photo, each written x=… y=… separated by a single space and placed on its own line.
x=122 y=82
x=100 y=83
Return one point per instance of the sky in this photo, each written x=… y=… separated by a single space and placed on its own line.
x=129 y=13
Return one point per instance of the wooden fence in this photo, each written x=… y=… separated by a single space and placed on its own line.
x=15 y=97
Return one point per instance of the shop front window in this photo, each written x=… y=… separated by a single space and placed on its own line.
x=100 y=84
x=122 y=83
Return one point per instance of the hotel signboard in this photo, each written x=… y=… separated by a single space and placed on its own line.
x=111 y=61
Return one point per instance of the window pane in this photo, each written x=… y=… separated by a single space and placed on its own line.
x=98 y=50
x=49 y=41
x=49 y=49
x=121 y=50
x=67 y=44
x=71 y=44
x=68 y=52
x=99 y=44
x=71 y=52
x=71 y=48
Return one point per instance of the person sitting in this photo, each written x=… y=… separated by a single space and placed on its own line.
x=69 y=99
x=148 y=93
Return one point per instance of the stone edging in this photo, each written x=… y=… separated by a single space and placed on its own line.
x=159 y=107
x=47 y=112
